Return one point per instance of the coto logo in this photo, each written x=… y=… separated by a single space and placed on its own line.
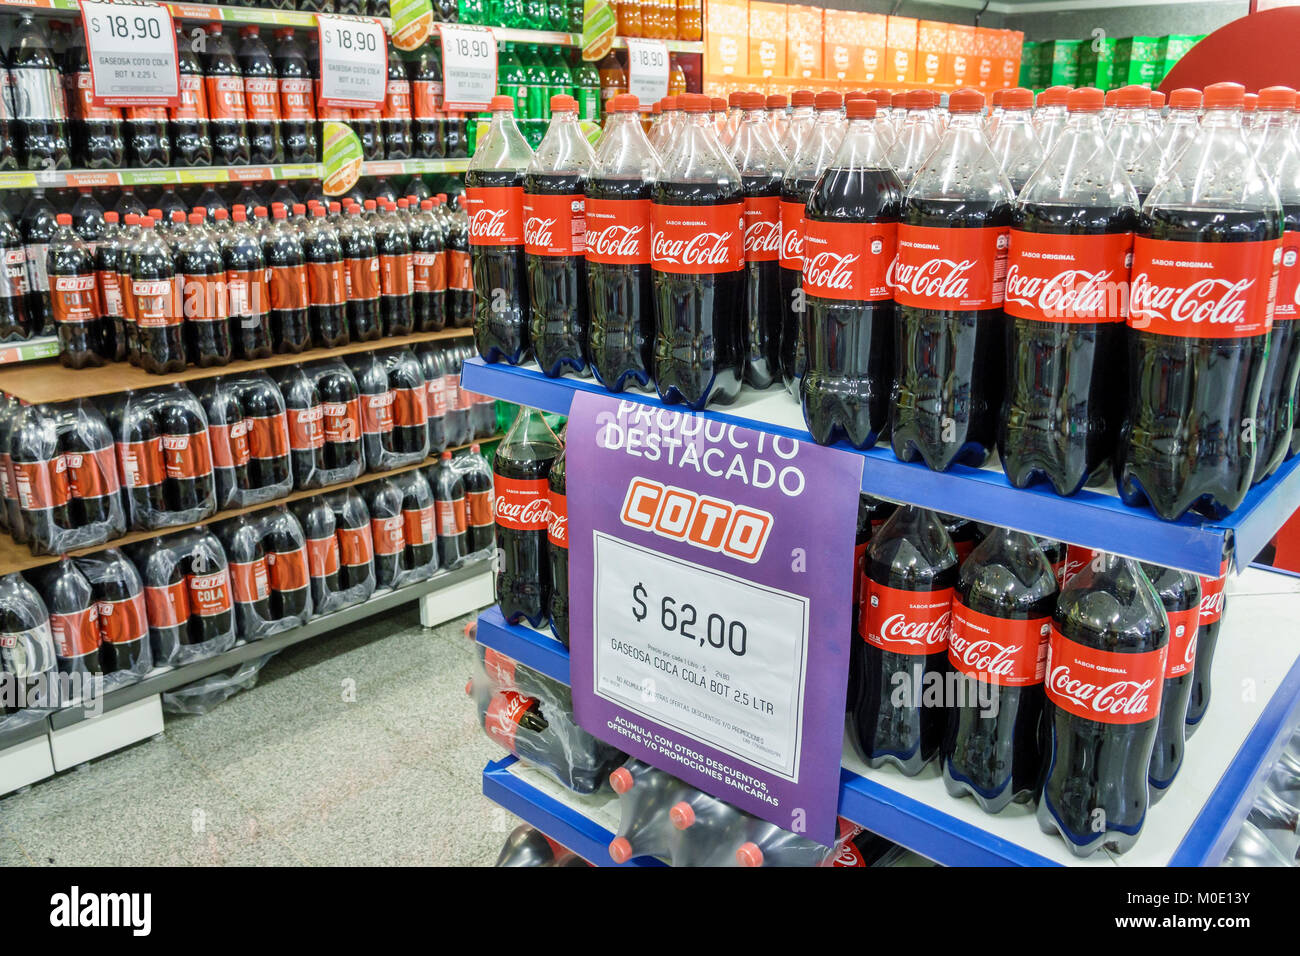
x=702 y=521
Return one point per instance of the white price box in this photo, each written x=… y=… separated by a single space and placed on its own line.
x=647 y=70
x=469 y=67
x=131 y=48
x=714 y=656
x=353 y=62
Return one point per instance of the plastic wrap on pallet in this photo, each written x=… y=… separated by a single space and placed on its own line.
x=28 y=664
x=187 y=596
x=394 y=412
x=323 y=408
x=269 y=579
x=325 y=558
x=356 y=544
x=402 y=529
x=527 y=846
x=202 y=696
x=249 y=432
x=118 y=591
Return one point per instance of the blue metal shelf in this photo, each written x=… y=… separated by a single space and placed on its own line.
x=1092 y=518
x=562 y=823
x=532 y=648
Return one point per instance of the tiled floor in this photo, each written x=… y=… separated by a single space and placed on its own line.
x=356 y=748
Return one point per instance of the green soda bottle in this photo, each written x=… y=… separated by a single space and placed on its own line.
x=539 y=101
x=512 y=14
x=575 y=23
x=535 y=12
x=512 y=81
x=557 y=16
x=473 y=12
x=557 y=69
x=586 y=88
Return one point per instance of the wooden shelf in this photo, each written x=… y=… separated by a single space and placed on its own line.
x=40 y=382
x=17 y=557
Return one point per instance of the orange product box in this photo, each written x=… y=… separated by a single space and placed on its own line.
x=961 y=55
x=839 y=44
x=900 y=49
x=932 y=52
x=767 y=53
x=803 y=42
x=1013 y=42
x=988 y=46
x=726 y=36
x=874 y=43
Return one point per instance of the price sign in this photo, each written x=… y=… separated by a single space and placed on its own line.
x=710 y=604
x=353 y=62
x=131 y=48
x=469 y=67
x=647 y=70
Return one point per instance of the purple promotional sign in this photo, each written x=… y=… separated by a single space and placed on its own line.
x=710 y=572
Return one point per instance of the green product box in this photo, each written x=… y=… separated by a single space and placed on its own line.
x=1096 y=60
x=1065 y=63
x=1029 y=63
x=1136 y=61
x=1173 y=48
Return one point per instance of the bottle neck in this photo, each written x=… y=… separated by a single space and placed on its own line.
x=1011 y=117
x=1084 y=121
x=1222 y=119
x=860 y=148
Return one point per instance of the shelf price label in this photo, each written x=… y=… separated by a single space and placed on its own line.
x=710 y=603
x=469 y=67
x=647 y=70
x=353 y=62
x=131 y=48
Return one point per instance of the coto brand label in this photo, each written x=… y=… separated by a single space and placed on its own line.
x=450 y=515
x=193 y=104
x=124 y=621
x=998 y=651
x=792 y=227
x=268 y=436
x=557 y=526
x=396 y=275
x=43 y=484
x=504 y=712
x=229 y=444
x=478 y=508
x=288 y=569
x=458 y=272
x=296 y=99
x=496 y=215
x=944 y=268
x=250 y=580
x=92 y=474
x=426 y=99
x=76 y=634
x=356 y=546
x=762 y=218
x=13 y=278
x=306 y=427
x=210 y=593
x=362 y=278
x=555 y=225
x=262 y=99
x=1106 y=686
x=142 y=463
x=906 y=622
x=110 y=293
x=289 y=288
x=410 y=407
x=167 y=605
x=226 y=98
x=325 y=283
x=430 y=272
x=848 y=260
x=342 y=420
x=1218 y=290
x=618 y=231
x=84 y=101
x=702 y=521
x=387 y=534
x=397 y=100
x=186 y=456
x=418 y=525
x=1212 y=597
x=1287 y=306
x=246 y=291
x=73 y=298
x=323 y=556
x=154 y=303
x=697 y=240
x=521 y=503
x=1068 y=278
x=436 y=396
x=1180 y=659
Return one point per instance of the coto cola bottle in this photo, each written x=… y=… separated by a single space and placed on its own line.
x=850 y=239
x=227 y=112
x=523 y=462
x=35 y=93
x=1205 y=260
x=697 y=262
x=1066 y=300
x=187 y=123
x=261 y=97
x=297 y=101
x=555 y=242
x=73 y=298
x=948 y=283
x=494 y=194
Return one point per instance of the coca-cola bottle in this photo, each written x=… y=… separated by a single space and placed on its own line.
x=850 y=236
x=555 y=242
x=1105 y=671
x=1213 y=599
x=948 y=288
x=1013 y=140
x=261 y=97
x=1204 y=266
x=1130 y=135
x=494 y=194
x=557 y=548
x=1001 y=619
x=918 y=136
x=1049 y=117
x=73 y=297
x=36 y=98
x=696 y=261
x=1180 y=594
x=297 y=100
x=621 y=340
x=815 y=152
x=762 y=167
x=187 y=123
x=523 y=462
x=909 y=574
x=1066 y=299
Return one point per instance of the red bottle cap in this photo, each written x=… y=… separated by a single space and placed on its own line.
x=110 y=216
x=965 y=100
x=1224 y=96
x=717 y=104
x=882 y=97
x=898 y=101
x=318 y=212
x=64 y=219
x=752 y=101
x=260 y=212
x=1185 y=98
x=919 y=99
x=221 y=215
x=147 y=222
x=696 y=102
x=733 y=99
x=682 y=815
x=995 y=98
x=239 y=215
x=828 y=100
x=1130 y=97
x=856 y=95
x=1086 y=99
x=802 y=98
x=214 y=29
x=1157 y=100
x=502 y=103
x=446 y=456
x=1277 y=98
x=620 y=850
x=178 y=215
x=299 y=209
x=563 y=103
x=335 y=207
x=1019 y=98
x=622 y=103
x=1055 y=95
x=277 y=211
x=621 y=780
x=427 y=204
x=860 y=109
x=671 y=102
x=251 y=30
x=370 y=205
x=776 y=102
x=749 y=855
x=196 y=219
x=156 y=213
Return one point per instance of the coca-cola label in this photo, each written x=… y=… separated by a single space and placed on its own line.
x=557 y=525
x=996 y=650
x=92 y=474
x=906 y=622
x=288 y=569
x=762 y=218
x=387 y=534
x=75 y=634
x=939 y=267
x=848 y=260
x=296 y=103
x=479 y=508
x=500 y=669
x=1287 y=306
x=262 y=99
x=504 y=712
x=496 y=215
x=167 y=605
x=74 y=298
x=697 y=240
x=1108 y=687
x=522 y=504
x=226 y=98
x=306 y=428
x=618 y=231
x=1212 y=598
x=356 y=546
x=250 y=580
x=450 y=515
x=1074 y=279
x=342 y=421
x=1218 y=290
x=555 y=225
x=210 y=593
x=1181 y=657
x=323 y=556
x=123 y=621
x=792 y=228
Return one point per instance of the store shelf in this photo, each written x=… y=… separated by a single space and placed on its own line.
x=530 y=647
x=209 y=13
x=413 y=167
x=583 y=824
x=54 y=383
x=177 y=176
x=1094 y=518
x=43 y=347
x=1253 y=712
x=13 y=732
x=552 y=38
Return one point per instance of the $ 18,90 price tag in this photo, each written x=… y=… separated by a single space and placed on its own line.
x=469 y=67
x=131 y=48
x=647 y=70
x=353 y=62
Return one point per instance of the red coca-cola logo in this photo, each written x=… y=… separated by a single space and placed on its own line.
x=1212 y=606
x=1202 y=289
x=946 y=268
x=539 y=231
x=830 y=270
x=495 y=215
x=984 y=655
x=931 y=634
x=705 y=249
x=617 y=231
x=618 y=240
x=1106 y=686
x=1216 y=301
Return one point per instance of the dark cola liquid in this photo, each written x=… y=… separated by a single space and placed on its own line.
x=762 y=299
x=1207 y=639
x=1061 y=412
x=1179 y=592
x=793 y=348
x=1184 y=441
x=558 y=554
x=699 y=324
x=844 y=389
x=557 y=291
x=996 y=736
x=948 y=365
x=524 y=577
x=1276 y=394
x=501 y=315
x=621 y=340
